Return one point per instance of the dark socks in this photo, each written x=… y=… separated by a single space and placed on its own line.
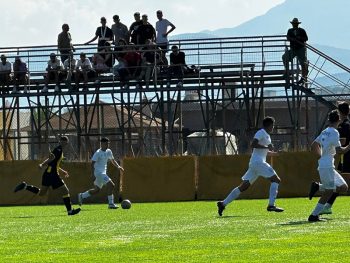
x=33 y=189
x=332 y=198
x=67 y=203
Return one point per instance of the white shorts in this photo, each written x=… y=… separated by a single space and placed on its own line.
x=101 y=180
x=330 y=178
x=258 y=169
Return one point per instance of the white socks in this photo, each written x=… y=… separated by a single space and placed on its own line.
x=319 y=207
x=85 y=195
x=111 y=199
x=232 y=196
x=273 y=193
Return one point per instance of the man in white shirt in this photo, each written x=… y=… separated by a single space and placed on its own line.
x=162 y=31
x=83 y=69
x=5 y=72
x=54 y=67
x=258 y=166
x=326 y=145
x=99 y=172
x=69 y=66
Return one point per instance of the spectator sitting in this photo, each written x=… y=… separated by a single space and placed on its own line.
x=84 y=70
x=99 y=63
x=5 y=73
x=69 y=66
x=20 y=76
x=103 y=33
x=64 y=43
x=119 y=52
x=132 y=61
x=133 y=33
x=120 y=31
x=54 y=68
x=145 y=31
x=177 y=64
x=151 y=56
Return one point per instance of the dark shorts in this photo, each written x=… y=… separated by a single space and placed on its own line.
x=300 y=53
x=52 y=179
x=163 y=46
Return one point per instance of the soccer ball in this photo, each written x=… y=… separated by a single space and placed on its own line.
x=126 y=204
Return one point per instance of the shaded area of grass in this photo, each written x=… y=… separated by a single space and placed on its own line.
x=175 y=232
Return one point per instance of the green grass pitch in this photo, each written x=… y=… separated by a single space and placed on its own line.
x=176 y=232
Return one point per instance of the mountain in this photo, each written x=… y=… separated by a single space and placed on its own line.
x=326 y=22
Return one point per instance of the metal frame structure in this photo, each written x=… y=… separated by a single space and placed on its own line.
x=229 y=93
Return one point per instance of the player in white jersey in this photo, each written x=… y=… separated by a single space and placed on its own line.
x=326 y=145
x=258 y=166
x=99 y=172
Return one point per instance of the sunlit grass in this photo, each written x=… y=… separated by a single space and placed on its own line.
x=175 y=232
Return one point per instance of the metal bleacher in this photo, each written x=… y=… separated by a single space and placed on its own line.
x=237 y=78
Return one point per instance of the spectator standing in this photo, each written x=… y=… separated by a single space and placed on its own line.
x=5 y=73
x=103 y=33
x=145 y=31
x=297 y=37
x=20 y=76
x=120 y=31
x=64 y=43
x=162 y=31
x=133 y=28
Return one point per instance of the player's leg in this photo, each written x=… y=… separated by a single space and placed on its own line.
x=88 y=193
x=28 y=187
x=327 y=177
x=248 y=179
x=266 y=171
x=110 y=188
x=341 y=187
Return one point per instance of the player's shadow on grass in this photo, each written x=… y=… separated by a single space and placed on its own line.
x=302 y=222
x=223 y=217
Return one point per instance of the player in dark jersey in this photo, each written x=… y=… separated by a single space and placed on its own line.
x=52 y=178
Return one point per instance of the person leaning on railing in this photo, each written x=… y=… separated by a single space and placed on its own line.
x=297 y=37
x=5 y=73
x=53 y=72
x=20 y=76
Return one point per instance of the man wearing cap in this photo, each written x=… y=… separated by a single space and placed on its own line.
x=120 y=31
x=5 y=72
x=103 y=33
x=297 y=37
x=133 y=28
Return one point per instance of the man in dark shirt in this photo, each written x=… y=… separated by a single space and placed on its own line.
x=177 y=64
x=133 y=28
x=145 y=32
x=52 y=178
x=103 y=33
x=297 y=37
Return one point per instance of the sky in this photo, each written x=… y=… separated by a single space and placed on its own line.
x=38 y=22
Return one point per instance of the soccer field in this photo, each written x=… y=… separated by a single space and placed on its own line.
x=176 y=232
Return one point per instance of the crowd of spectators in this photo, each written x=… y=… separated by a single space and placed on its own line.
x=129 y=53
